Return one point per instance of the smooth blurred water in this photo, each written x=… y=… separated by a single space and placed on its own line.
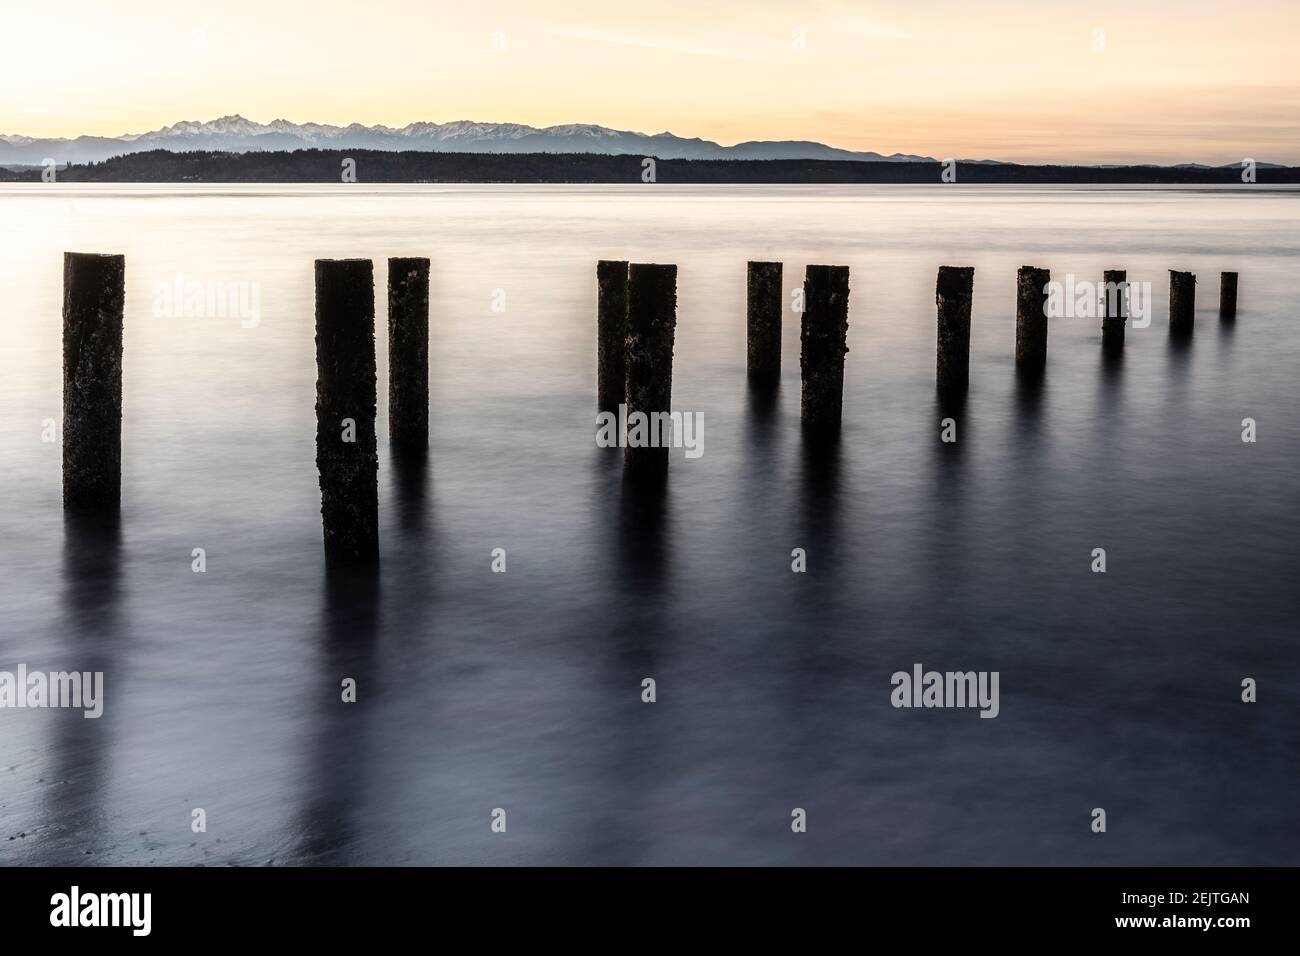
x=522 y=690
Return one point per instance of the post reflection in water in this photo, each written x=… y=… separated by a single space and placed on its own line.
x=95 y=637
x=326 y=825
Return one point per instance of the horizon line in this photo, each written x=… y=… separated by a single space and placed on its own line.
x=633 y=132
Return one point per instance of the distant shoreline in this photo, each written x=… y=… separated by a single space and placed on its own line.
x=384 y=166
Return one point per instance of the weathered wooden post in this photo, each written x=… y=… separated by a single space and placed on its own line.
x=952 y=297
x=1228 y=295
x=651 y=325
x=408 y=355
x=1182 y=302
x=94 y=288
x=763 y=322
x=611 y=333
x=1031 y=320
x=823 y=340
x=1114 y=309
x=345 y=409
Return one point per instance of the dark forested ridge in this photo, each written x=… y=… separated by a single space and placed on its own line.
x=382 y=166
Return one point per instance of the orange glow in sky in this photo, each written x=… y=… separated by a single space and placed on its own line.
x=1030 y=81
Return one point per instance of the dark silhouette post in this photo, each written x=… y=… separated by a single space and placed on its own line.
x=952 y=298
x=94 y=289
x=611 y=333
x=408 y=355
x=823 y=340
x=345 y=409
x=1031 y=320
x=1114 y=309
x=763 y=322
x=1182 y=302
x=651 y=325
x=1228 y=295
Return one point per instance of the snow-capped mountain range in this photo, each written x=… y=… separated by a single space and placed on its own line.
x=237 y=134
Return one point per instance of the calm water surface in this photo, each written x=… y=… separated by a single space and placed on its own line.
x=522 y=690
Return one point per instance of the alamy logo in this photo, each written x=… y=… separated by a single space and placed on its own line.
x=38 y=689
x=652 y=430
x=922 y=688
x=184 y=298
x=74 y=908
x=1085 y=299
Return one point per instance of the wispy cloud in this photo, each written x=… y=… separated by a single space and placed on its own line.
x=647 y=42
x=859 y=26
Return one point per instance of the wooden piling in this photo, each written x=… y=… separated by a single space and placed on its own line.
x=952 y=297
x=346 y=455
x=823 y=339
x=408 y=355
x=763 y=322
x=1114 y=309
x=611 y=333
x=1182 y=302
x=1228 y=295
x=93 y=296
x=1031 y=320
x=651 y=325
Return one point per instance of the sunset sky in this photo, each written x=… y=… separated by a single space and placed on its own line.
x=1002 y=79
